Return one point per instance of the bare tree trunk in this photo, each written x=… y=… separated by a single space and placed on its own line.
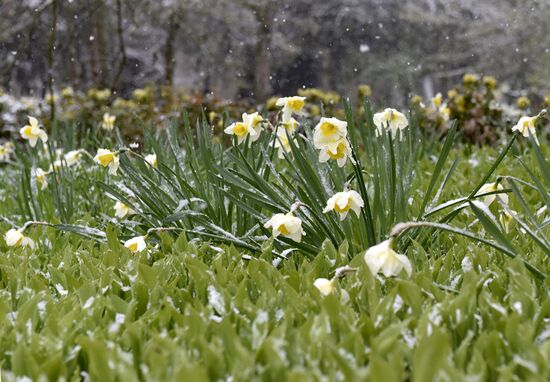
x=100 y=44
x=262 y=70
x=169 y=57
x=121 y=46
x=51 y=49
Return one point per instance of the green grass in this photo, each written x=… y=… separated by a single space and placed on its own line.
x=213 y=300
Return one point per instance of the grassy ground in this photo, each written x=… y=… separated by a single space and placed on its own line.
x=192 y=309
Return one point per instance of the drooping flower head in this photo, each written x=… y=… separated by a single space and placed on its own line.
x=390 y=119
x=122 y=210
x=325 y=286
x=108 y=122
x=492 y=187
x=526 y=127
x=107 y=158
x=287 y=225
x=32 y=132
x=291 y=125
x=73 y=157
x=383 y=258
x=15 y=238
x=343 y=202
x=282 y=142
x=136 y=244
x=152 y=160
x=41 y=178
x=291 y=105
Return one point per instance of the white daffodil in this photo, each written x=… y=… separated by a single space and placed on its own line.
x=506 y=218
x=152 y=160
x=291 y=105
x=383 y=258
x=41 y=178
x=390 y=119
x=526 y=127
x=15 y=238
x=287 y=225
x=339 y=150
x=325 y=286
x=122 y=210
x=32 y=132
x=492 y=187
x=282 y=142
x=342 y=202
x=73 y=157
x=250 y=125
x=291 y=125
x=108 y=122
x=329 y=130
x=136 y=244
x=6 y=150
x=108 y=158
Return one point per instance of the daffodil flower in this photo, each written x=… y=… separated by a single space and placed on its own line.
x=329 y=130
x=6 y=150
x=282 y=142
x=136 y=244
x=291 y=125
x=390 y=119
x=41 y=178
x=15 y=238
x=492 y=187
x=108 y=158
x=526 y=127
x=32 y=132
x=325 y=286
x=287 y=225
x=73 y=157
x=383 y=258
x=250 y=125
x=122 y=210
x=343 y=202
x=506 y=218
x=108 y=122
x=339 y=150
x=291 y=105
x=152 y=160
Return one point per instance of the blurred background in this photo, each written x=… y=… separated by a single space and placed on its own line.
x=252 y=49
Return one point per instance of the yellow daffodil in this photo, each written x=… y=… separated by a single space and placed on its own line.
x=343 y=202
x=506 y=218
x=287 y=225
x=108 y=158
x=325 y=286
x=526 y=127
x=250 y=125
x=390 y=119
x=32 y=132
x=383 y=258
x=339 y=150
x=291 y=105
x=136 y=244
x=122 y=210
x=437 y=101
x=523 y=103
x=15 y=238
x=152 y=160
x=67 y=92
x=41 y=178
x=492 y=187
x=282 y=142
x=329 y=130
x=108 y=122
